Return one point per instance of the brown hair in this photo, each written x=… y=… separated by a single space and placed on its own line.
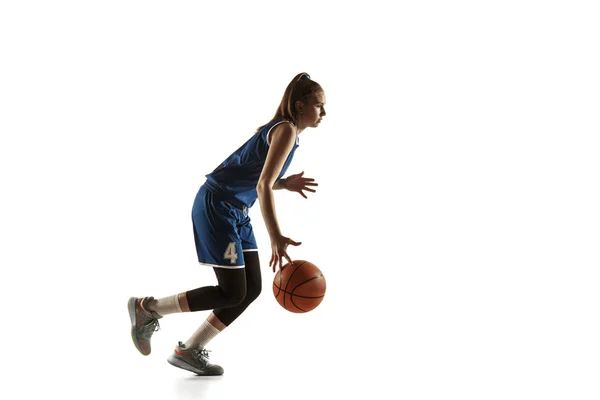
x=300 y=88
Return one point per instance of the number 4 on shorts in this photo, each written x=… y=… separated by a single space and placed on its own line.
x=230 y=253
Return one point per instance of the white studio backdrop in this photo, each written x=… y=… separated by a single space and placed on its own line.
x=456 y=218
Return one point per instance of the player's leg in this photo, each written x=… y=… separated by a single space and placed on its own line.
x=230 y=281
x=217 y=245
x=253 y=276
x=221 y=317
x=192 y=355
x=227 y=315
x=222 y=249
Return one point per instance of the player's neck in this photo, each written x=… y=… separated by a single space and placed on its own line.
x=299 y=128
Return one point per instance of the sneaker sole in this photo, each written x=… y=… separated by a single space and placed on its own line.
x=131 y=305
x=181 y=363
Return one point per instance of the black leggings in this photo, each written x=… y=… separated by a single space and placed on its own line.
x=236 y=289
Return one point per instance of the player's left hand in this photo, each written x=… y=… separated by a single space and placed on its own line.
x=296 y=183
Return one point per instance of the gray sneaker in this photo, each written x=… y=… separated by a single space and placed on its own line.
x=194 y=359
x=143 y=323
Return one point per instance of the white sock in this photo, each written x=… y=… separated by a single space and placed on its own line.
x=164 y=306
x=202 y=336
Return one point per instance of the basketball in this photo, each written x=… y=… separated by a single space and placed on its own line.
x=299 y=287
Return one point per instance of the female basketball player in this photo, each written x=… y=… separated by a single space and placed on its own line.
x=223 y=233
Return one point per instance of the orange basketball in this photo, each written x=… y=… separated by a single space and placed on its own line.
x=299 y=287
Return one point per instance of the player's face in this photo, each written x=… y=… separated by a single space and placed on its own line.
x=315 y=110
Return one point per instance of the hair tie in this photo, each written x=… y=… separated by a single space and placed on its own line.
x=305 y=76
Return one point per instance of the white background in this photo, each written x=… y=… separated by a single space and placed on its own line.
x=456 y=219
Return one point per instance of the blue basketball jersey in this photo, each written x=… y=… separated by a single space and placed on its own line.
x=236 y=178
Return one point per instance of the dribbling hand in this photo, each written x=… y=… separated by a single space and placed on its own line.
x=279 y=245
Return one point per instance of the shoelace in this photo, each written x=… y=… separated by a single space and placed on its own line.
x=201 y=355
x=148 y=329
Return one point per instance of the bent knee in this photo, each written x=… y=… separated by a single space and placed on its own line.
x=253 y=292
x=235 y=297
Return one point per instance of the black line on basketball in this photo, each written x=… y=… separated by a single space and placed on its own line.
x=298 y=285
x=302 y=283
x=297 y=295
x=290 y=278
x=294 y=304
x=280 y=280
x=277 y=286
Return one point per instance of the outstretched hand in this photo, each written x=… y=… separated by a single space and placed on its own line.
x=296 y=183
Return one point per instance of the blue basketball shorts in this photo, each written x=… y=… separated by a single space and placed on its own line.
x=222 y=232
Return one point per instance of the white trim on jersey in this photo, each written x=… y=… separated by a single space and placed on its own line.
x=223 y=266
x=297 y=138
x=245 y=250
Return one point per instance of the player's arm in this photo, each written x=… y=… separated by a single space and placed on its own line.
x=283 y=138
x=280 y=184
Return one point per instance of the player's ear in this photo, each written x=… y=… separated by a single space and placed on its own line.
x=299 y=106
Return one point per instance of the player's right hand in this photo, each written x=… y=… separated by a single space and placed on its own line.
x=279 y=244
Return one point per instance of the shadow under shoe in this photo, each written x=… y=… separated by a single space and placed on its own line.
x=143 y=323
x=194 y=359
